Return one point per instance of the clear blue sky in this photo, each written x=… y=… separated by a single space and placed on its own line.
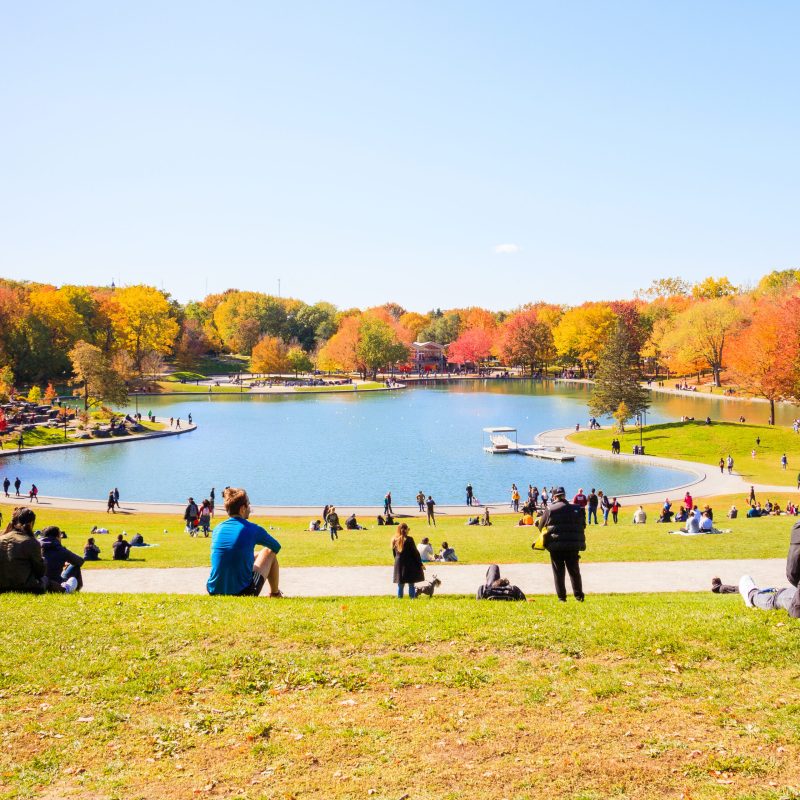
x=365 y=152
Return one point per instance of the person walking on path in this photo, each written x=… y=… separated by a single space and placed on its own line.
x=17 y=484
x=784 y=461
x=514 y=497
x=421 y=500
x=564 y=526
x=752 y=498
x=429 y=504
x=408 y=568
x=190 y=515
x=387 y=504
x=116 y=498
x=33 y=494
x=111 y=503
x=7 y=483
x=235 y=568
x=730 y=464
x=469 y=494
x=722 y=466
x=211 y=499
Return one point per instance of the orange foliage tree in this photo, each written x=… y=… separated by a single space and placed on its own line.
x=765 y=353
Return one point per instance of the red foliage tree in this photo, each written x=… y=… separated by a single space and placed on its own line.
x=471 y=347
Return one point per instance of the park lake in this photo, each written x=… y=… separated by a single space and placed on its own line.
x=351 y=450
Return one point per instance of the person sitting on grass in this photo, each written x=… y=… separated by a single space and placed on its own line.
x=137 y=540
x=351 y=523
x=706 y=523
x=639 y=516
x=787 y=598
x=753 y=512
x=121 y=549
x=447 y=553
x=91 y=552
x=666 y=514
x=22 y=566
x=486 y=520
x=235 y=569
x=315 y=525
x=425 y=550
x=682 y=515
x=733 y=513
x=61 y=563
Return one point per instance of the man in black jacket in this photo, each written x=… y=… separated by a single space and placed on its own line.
x=565 y=528
x=787 y=598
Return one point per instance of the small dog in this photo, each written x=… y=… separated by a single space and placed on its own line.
x=429 y=587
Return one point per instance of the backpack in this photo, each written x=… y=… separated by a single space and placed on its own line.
x=503 y=593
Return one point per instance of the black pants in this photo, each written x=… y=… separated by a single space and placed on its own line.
x=567 y=561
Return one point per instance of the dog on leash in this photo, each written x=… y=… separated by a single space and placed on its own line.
x=429 y=587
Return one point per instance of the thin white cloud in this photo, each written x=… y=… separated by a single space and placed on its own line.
x=507 y=249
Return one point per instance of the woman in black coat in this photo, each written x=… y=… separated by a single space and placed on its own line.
x=408 y=567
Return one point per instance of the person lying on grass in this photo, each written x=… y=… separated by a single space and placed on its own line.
x=235 y=569
x=771 y=599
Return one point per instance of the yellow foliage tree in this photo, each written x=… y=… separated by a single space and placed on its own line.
x=582 y=332
x=143 y=321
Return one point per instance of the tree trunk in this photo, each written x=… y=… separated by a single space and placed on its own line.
x=771 y=410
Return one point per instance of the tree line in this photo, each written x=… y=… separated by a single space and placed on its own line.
x=57 y=334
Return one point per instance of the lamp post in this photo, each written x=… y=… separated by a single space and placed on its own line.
x=641 y=441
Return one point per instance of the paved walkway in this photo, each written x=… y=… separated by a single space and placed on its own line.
x=460 y=579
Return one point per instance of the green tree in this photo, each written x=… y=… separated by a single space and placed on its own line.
x=298 y=360
x=378 y=345
x=617 y=378
x=95 y=378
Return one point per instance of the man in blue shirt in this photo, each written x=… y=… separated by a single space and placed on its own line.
x=235 y=569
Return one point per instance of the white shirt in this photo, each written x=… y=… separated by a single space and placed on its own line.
x=425 y=552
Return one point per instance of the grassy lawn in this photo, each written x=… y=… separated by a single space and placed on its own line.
x=503 y=543
x=690 y=696
x=696 y=441
x=40 y=437
x=173 y=387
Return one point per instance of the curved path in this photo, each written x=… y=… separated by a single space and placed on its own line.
x=460 y=579
x=700 y=478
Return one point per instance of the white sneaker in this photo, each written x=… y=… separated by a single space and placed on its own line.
x=746 y=586
x=70 y=585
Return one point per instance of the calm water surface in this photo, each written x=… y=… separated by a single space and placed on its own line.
x=352 y=449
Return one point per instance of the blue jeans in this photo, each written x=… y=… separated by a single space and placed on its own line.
x=412 y=590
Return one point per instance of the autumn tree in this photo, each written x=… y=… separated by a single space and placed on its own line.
x=94 y=377
x=144 y=321
x=582 y=332
x=192 y=344
x=666 y=287
x=765 y=354
x=340 y=351
x=701 y=333
x=617 y=379
x=471 y=347
x=50 y=394
x=269 y=356
x=414 y=323
x=712 y=288
x=526 y=341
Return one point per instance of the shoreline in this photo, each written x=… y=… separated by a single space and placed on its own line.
x=704 y=476
x=133 y=437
